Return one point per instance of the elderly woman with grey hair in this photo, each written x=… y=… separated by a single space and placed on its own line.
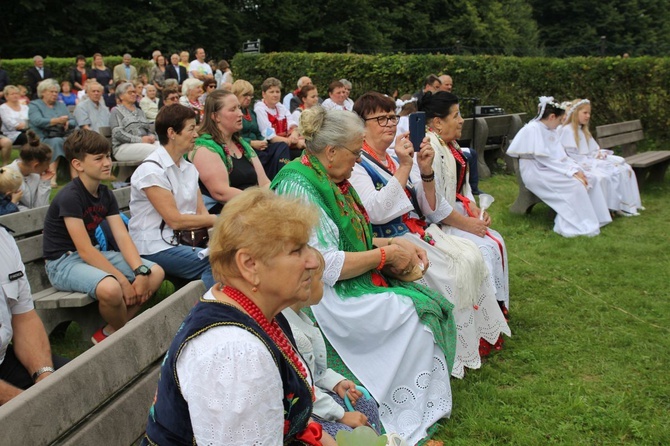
x=132 y=136
x=191 y=90
x=51 y=121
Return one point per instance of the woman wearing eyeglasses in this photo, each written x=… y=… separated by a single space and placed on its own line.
x=397 y=338
x=401 y=201
x=272 y=155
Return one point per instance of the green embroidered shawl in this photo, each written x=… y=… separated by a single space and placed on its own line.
x=356 y=236
x=208 y=142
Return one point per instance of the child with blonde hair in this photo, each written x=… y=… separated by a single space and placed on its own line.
x=618 y=178
x=10 y=190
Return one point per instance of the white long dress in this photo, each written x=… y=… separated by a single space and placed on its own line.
x=444 y=166
x=623 y=192
x=548 y=172
x=380 y=339
x=457 y=269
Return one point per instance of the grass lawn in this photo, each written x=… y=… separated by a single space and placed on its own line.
x=590 y=353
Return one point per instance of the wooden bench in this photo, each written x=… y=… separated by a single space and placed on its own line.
x=54 y=307
x=491 y=138
x=648 y=166
x=103 y=396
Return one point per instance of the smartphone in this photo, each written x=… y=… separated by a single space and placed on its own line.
x=417 y=129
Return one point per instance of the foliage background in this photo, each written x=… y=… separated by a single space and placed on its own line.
x=620 y=89
x=60 y=28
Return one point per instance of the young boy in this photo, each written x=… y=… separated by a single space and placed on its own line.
x=120 y=282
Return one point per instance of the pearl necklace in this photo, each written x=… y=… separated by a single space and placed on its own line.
x=271 y=328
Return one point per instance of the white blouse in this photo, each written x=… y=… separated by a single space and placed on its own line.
x=145 y=221
x=262 y=111
x=232 y=387
x=11 y=118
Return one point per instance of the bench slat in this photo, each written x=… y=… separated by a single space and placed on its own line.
x=59 y=298
x=647 y=159
x=606 y=130
x=620 y=139
x=123 y=411
x=25 y=222
x=49 y=409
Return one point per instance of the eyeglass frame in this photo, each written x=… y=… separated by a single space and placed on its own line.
x=388 y=119
x=356 y=154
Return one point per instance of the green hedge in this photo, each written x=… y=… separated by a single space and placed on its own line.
x=620 y=89
x=60 y=67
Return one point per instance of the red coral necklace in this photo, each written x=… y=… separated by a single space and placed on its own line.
x=271 y=328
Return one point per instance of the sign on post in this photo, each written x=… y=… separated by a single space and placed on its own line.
x=252 y=46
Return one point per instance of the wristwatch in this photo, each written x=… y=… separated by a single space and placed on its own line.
x=42 y=370
x=142 y=270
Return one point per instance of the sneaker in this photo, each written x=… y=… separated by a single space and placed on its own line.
x=98 y=336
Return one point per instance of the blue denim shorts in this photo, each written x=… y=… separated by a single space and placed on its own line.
x=71 y=273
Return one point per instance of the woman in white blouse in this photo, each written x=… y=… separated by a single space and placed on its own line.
x=14 y=116
x=233 y=375
x=165 y=198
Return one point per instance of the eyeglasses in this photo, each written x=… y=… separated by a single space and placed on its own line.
x=384 y=120
x=211 y=86
x=356 y=153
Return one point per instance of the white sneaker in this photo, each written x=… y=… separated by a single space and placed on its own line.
x=395 y=440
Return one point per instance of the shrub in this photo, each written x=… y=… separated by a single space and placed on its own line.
x=620 y=89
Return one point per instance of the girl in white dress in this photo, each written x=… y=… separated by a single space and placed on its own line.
x=623 y=195
x=555 y=178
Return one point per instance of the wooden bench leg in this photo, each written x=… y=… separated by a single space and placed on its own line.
x=657 y=172
x=524 y=201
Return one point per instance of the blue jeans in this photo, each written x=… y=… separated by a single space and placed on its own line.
x=183 y=262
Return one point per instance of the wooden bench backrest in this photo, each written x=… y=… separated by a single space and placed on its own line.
x=625 y=134
x=103 y=395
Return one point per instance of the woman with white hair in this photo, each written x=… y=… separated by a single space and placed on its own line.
x=132 y=136
x=51 y=121
x=191 y=90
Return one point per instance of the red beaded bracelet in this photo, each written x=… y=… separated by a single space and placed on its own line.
x=382 y=262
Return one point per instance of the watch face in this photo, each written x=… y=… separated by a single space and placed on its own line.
x=143 y=270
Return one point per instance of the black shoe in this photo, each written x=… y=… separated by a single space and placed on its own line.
x=477 y=192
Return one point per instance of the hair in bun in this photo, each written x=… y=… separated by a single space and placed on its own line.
x=34 y=149
x=335 y=128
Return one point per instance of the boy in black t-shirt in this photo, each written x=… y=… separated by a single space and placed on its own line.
x=121 y=282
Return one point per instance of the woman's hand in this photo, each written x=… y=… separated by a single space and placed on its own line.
x=346 y=387
x=20 y=126
x=420 y=257
x=425 y=157
x=475 y=226
x=400 y=259
x=148 y=139
x=477 y=212
x=354 y=419
x=259 y=144
x=404 y=150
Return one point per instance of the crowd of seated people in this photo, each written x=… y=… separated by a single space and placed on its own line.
x=359 y=227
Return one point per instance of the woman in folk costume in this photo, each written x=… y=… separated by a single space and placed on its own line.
x=555 y=178
x=444 y=122
x=400 y=197
x=398 y=338
x=623 y=195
